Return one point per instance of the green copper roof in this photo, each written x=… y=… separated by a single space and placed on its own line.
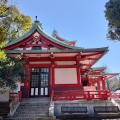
x=38 y=26
x=98 y=68
x=105 y=49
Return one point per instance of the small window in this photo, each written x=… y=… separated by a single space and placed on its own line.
x=36 y=48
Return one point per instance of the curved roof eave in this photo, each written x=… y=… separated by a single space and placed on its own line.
x=98 y=68
x=36 y=26
x=105 y=49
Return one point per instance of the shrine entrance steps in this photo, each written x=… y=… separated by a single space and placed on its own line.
x=33 y=109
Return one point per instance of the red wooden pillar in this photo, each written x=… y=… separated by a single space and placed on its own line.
x=52 y=73
x=92 y=83
x=51 y=79
x=79 y=76
x=25 y=88
x=98 y=85
x=78 y=70
x=19 y=96
x=103 y=84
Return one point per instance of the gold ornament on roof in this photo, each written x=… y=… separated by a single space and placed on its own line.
x=36 y=35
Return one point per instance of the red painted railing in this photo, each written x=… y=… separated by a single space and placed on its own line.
x=80 y=95
x=15 y=95
x=117 y=94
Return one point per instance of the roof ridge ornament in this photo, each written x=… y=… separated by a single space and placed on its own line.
x=37 y=23
x=36 y=18
x=55 y=32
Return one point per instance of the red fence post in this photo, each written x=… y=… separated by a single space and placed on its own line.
x=19 y=96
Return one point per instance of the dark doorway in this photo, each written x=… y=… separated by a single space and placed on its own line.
x=39 y=84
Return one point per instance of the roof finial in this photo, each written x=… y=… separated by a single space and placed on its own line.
x=54 y=32
x=36 y=18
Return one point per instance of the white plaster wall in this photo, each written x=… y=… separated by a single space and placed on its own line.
x=5 y=96
x=89 y=88
x=47 y=62
x=18 y=49
x=53 y=48
x=65 y=76
x=65 y=62
x=43 y=48
x=30 y=48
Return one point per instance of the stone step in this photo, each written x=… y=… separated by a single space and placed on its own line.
x=38 y=98
x=33 y=107
x=32 y=112
x=35 y=103
x=31 y=118
x=30 y=115
x=35 y=99
x=29 y=110
x=42 y=105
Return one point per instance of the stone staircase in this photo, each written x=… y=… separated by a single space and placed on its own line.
x=33 y=109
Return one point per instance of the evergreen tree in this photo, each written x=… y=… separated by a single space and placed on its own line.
x=11 y=71
x=112 y=14
x=13 y=24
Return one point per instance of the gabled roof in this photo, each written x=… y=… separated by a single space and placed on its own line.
x=107 y=75
x=38 y=27
x=97 y=70
x=86 y=57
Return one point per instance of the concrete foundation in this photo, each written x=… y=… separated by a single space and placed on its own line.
x=89 y=104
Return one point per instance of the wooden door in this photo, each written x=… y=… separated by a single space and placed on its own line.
x=39 y=85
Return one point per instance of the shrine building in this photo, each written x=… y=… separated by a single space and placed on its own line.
x=56 y=68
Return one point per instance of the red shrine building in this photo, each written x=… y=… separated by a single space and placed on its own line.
x=56 y=68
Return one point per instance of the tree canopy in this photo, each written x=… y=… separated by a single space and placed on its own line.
x=11 y=71
x=112 y=14
x=13 y=24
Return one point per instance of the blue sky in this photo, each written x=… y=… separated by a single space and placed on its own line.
x=76 y=20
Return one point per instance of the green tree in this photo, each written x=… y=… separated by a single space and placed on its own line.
x=2 y=53
x=11 y=71
x=114 y=83
x=112 y=14
x=13 y=24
